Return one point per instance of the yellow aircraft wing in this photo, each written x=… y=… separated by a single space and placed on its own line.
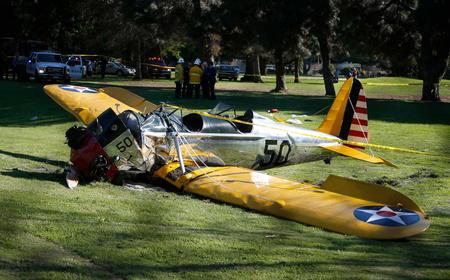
x=86 y=104
x=357 y=154
x=340 y=205
x=130 y=99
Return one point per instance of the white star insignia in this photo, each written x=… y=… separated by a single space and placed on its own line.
x=386 y=213
x=79 y=89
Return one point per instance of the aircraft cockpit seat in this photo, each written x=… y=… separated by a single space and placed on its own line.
x=247 y=117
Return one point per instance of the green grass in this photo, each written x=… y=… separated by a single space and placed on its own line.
x=101 y=231
x=380 y=88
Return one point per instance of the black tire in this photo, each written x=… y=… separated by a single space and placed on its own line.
x=119 y=73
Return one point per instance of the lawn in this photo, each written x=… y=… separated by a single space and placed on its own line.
x=381 y=88
x=101 y=231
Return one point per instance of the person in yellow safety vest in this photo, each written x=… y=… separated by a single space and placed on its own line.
x=195 y=76
x=179 y=77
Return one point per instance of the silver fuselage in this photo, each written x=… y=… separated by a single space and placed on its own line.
x=268 y=144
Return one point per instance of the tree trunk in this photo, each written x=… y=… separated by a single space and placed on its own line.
x=198 y=33
x=252 y=71
x=279 y=71
x=430 y=89
x=296 y=70
x=139 y=64
x=262 y=66
x=435 y=47
x=433 y=69
x=326 y=71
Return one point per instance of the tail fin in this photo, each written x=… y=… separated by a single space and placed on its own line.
x=347 y=118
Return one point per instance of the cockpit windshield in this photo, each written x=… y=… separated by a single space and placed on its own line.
x=48 y=57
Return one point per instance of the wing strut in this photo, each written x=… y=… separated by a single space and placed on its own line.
x=173 y=134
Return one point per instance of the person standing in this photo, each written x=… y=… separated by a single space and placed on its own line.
x=355 y=73
x=179 y=77
x=210 y=75
x=195 y=77
x=103 y=63
x=3 y=62
x=185 y=90
x=15 y=71
x=204 y=81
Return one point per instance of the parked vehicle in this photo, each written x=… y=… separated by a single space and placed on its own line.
x=229 y=72
x=80 y=66
x=77 y=70
x=117 y=68
x=47 y=66
x=157 y=68
x=270 y=69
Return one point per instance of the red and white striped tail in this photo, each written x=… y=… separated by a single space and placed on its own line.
x=359 y=129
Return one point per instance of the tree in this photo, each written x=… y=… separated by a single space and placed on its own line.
x=252 y=66
x=281 y=31
x=240 y=36
x=433 y=23
x=151 y=25
x=381 y=32
x=411 y=34
x=202 y=27
x=323 y=21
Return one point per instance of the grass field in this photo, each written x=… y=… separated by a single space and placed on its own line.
x=382 y=87
x=101 y=231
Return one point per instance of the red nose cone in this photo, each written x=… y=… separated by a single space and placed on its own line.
x=386 y=214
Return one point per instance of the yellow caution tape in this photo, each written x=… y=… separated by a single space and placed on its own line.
x=391 y=84
x=83 y=55
x=359 y=144
x=158 y=66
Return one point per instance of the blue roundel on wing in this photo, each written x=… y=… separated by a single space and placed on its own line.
x=386 y=216
x=78 y=89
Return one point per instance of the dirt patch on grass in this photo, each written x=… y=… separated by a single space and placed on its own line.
x=420 y=174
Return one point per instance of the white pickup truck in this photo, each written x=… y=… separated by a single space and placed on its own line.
x=47 y=66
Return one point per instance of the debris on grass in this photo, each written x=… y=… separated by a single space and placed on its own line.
x=142 y=187
x=294 y=121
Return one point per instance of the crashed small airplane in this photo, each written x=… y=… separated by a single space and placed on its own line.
x=215 y=154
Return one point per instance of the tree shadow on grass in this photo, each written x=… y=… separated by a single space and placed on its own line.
x=57 y=163
x=30 y=256
x=51 y=176
x=243 y=244
x=25 y=104
x=39 y=173
x=150 y=232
